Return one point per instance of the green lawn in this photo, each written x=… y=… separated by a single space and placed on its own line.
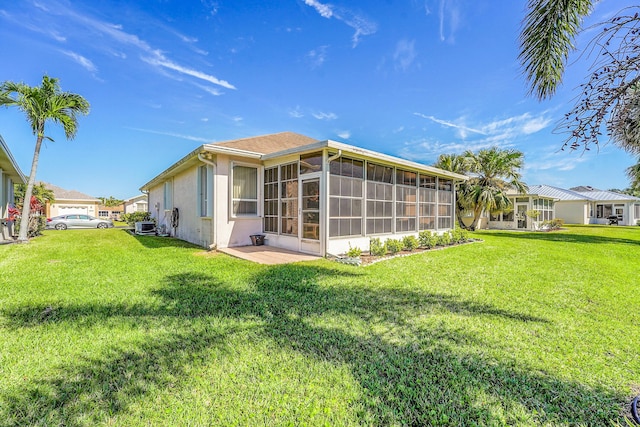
x=99 y=327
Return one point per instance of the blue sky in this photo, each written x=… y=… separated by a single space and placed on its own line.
x=414 y=79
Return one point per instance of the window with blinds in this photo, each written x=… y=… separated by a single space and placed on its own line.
x=245 y=191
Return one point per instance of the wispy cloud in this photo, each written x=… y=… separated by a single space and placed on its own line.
x=316 y=57
x=325 y=116
x=296 y=113
x=449 y=14
x=463 y=131
x=344 y=134
x=502 y=133
x=211 y=6
x=556 y=160
x=211 y=90
x=160 y=60
x=84 y=62
x=173 y=134
x=362 y=25
x=152 y=56
x=404 y=54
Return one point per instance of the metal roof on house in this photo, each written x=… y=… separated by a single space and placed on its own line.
x=557 y=193
x=561 y=194
x=61 y=194
x=603 y=195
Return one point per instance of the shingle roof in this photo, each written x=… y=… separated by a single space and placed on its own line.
x=62 y=194
x=281 y=144
x=268 y=144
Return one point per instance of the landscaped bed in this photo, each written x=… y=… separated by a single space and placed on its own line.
x=105 y=328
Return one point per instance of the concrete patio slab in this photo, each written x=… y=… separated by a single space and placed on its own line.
x=267 y=254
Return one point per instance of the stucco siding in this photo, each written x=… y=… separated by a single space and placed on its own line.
x=233 y=231
x=184 y=199
x=573 y=212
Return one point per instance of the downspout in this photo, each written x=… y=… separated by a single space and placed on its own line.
x=213 y=202
x=335 y=156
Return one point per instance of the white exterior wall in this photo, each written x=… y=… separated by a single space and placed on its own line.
x=233 y=231
x=133 y=204
x=191 y=227
x=340 y=246
x=573 y=212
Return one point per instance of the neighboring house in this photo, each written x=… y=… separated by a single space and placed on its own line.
x=110 y=212
x=520 y=217
x=311 y=196
x=10 y=175
x=587 y=205
x=70 y=202
x=136 y=204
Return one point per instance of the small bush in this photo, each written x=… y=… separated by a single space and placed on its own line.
x=354 y=252
x=444 y=239
x=459 y=235
x=553 y=224
x=37 y=223
x=427 y=239
x=376 y=247
x=133 y=217
x=410 y=243
x=394 y=245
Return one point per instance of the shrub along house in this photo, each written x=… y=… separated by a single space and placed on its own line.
x=305 y=195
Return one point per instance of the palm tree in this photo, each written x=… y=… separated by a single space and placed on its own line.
x=546 y=40
x=41 y=104
x=458 y=164
x=492 y=172
x=609 y=97
x=633 y=172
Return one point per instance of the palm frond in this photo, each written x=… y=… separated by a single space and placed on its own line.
x=546 y=39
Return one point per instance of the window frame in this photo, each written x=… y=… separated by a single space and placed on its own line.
x=266 y=214
x=232 y=199
x=167 y=195
x=205 y=196
x=342 y=178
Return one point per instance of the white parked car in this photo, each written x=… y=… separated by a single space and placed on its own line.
x=63 y=222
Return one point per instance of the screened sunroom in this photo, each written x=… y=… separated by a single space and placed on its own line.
x=317 y=197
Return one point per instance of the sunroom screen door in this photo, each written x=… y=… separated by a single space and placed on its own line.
x=311 y=209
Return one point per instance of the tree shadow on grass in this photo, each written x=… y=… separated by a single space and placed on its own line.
x=153 y=242
x=424 y=375
x=565 y=237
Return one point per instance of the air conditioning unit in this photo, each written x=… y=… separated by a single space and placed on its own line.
x=145 y=227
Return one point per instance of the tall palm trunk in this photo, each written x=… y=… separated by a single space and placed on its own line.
x=477 y=211
x=26 y=204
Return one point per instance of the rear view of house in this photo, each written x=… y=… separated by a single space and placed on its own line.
x=311 y=196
